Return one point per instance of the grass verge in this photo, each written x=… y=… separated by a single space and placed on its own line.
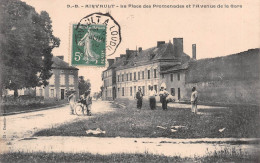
x=7 y=109
x=221 y=156
x=238 y=122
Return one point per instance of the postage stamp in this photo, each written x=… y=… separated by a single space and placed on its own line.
x=94 y=37
x=89 y=44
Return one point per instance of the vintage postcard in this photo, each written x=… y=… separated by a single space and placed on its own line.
x=130 y=81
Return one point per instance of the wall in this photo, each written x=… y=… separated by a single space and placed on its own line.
x=231 y=79
x=176 y=83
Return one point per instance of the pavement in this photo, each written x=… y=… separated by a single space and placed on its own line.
x=18 y=130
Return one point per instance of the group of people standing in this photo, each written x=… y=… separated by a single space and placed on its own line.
x=163 y=98
x=152 y=97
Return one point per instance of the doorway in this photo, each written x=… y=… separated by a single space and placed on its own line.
x=179 y=93
x=62 y=94
x=114 y=93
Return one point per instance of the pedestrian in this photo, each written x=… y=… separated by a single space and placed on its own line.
x=194 y=100
x=163 y=95
x=72 y=101
x=139 y=97
x=152 y=94
x=88 y=101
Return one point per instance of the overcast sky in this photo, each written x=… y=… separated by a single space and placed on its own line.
x=217 y=32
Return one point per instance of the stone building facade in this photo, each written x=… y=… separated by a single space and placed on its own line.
x=108 y=77
x=142 y=68
x=230 y=79
x=63 y=79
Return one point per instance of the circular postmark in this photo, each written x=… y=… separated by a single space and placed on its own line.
x=113 y=30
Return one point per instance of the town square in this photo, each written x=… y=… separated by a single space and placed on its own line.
x=124 y=82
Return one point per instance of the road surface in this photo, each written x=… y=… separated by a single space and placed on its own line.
x=26 y=124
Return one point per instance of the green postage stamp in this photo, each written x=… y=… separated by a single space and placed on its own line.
x=88 y=44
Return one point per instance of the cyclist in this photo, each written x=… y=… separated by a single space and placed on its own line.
x=86 y=100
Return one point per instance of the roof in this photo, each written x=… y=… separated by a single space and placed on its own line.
x=178 y=67
x=240 y=66
x=163 y=52
x=60 y=64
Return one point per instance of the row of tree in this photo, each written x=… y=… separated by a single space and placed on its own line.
x=26 y=44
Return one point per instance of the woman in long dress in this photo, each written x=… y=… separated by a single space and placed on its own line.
x=89 y=53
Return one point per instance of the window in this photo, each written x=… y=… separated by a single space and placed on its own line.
x=138 y=75
x=130 y=76
x=71 y=79
x=148 y=74
x=40 y=92
x=178 y=76
x=171 y=77
x=155 y=88
x=154 y=73
x=143 y=90
x=123 y=91
x=126 y=77
x=52 y=80
x=134 y=89
x=52 y=93
x=172 y=91
x=162 y=75
x=62 y=79
x=118 y=78
x=131 y=91
x=134 y=75
x=142 y=74
x=122 y=77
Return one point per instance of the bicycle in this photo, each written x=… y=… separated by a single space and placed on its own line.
x=80 y=109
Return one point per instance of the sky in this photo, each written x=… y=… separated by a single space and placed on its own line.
x=216 y=31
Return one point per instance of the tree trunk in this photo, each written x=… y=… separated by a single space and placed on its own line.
x=15 y=93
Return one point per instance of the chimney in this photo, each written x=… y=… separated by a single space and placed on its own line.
x=128 y=53
x=159 y=43
x=140 y=49
x=61 y=57
x=178 y=47
x=110 y=62
x=122 y=55
x=194 y=51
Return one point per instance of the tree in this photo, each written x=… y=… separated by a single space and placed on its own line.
x=25 y=46
x=84 y=85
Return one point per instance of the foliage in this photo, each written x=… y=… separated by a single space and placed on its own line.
x=84 y=85
x=26 y=44
x=124 y=157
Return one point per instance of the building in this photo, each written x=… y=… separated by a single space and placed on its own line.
x=230 y=79
x=141 y=68
x=63 y=79
x=108 y=77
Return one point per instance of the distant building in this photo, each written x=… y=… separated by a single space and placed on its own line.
x=230 y=79
x=64 y=78
x=141 y=68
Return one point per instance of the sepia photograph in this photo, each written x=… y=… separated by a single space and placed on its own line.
x=129 y=81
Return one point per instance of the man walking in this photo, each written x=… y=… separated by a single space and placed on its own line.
x=194 y=100
x=139 y=97
x=152 y=95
